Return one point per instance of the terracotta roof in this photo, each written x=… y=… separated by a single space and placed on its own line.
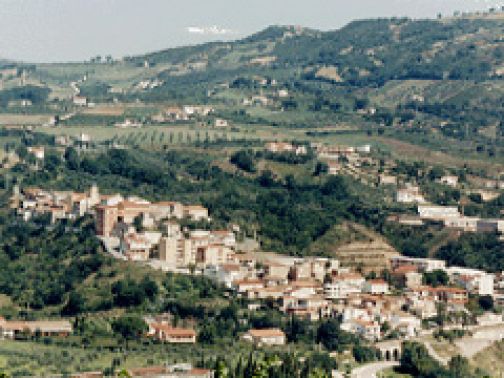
x=378 y=282
x=451 y=289
x=78 y=196
x=105 y=207
x=270 y=332
x=231 y=267
x=299 y=284
x=365 y=323
x=42 y=325
x=440 y=289
x=176 y=332
x=130 y=204
x=147 y=371
x=166 y=203
x=459 y=301
x=403 y=269
x=199 y=371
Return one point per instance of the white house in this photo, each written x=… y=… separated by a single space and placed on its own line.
x=369 y=330
x=37 y=151
x=438 y=212
x=219 y=122
x=473 y=280
x=449 y=180
x=410 y=194
x=376 y=286
x=80 y=101
x=271 y=336
x=343 y=285
x=405 y=323
x=225 y=274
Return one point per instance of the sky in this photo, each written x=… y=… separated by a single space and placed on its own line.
x=75 y=30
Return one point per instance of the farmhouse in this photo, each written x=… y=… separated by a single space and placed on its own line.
x=449 y=180
x=38 y=152
x=169 y=334
x=410 y=194
x=271 y=336
x=14 y=329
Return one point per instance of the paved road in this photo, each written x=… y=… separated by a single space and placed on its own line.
x=371 y=370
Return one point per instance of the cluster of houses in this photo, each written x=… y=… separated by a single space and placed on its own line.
x=186 y=113
x=134 y=228
x=119 y=218
x=452 y=218
x=148 y=84
x=317 y=288
x=32 y=201
x=339 y=152
x=160 y=328
x=268 y=92
x=310 y=287
x=410 y=194
x=262 y=100
x=182 y=113
x=449 y=216
x=284 y=147
x=338 y=158
x=81 y=141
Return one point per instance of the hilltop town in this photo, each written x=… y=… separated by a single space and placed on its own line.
x=397 y=303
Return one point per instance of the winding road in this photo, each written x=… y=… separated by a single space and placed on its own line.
x=371 y=370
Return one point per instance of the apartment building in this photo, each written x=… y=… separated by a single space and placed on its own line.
x=422 y=264
x=343 y=285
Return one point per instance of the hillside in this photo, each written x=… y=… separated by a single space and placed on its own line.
x=422 y=81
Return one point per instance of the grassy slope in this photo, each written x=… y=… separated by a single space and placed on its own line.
x=491 y=359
